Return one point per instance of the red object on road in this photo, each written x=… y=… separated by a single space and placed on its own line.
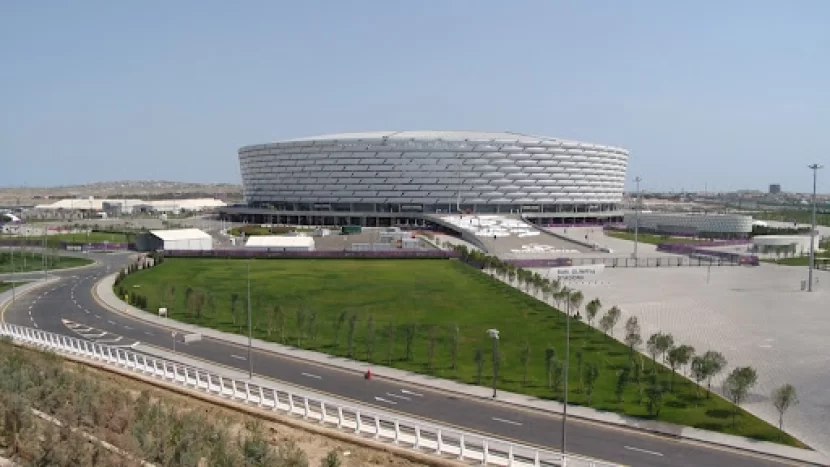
x=368 y=374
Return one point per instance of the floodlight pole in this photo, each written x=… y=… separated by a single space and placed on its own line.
x=250 y=343
x=637 y=180
x=44 y=258
x=815 y=168
x=14 y=291
x=566 y=369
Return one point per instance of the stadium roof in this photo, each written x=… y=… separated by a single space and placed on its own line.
x=278 y=241
x=179 y=234
x=447 y=135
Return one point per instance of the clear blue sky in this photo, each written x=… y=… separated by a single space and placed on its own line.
x=730 y=94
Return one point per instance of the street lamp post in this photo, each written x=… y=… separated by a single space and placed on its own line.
x=637 y=180
x=250 y=339
x=566 y=369
x=494 y=334
x=14 y=291
x=815 y=168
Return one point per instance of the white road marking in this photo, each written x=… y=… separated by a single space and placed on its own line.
x=134 y=344
x=312 y=376
x=411 y=393
x=238 y=357
x=149 y=333
x=380 y=399
x=511 y=422
x=107 y=341
x=396 y=396
x=653 y=453
x=30 y=307
x=98 y=316
x=111 y=322
x=127 y=327
x=33 y=322
x=86 y=311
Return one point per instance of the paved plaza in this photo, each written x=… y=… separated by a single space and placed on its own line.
x=756 y=316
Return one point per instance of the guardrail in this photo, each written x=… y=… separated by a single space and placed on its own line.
x=408 y=433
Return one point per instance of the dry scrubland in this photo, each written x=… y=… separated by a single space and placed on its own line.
x=141 y=422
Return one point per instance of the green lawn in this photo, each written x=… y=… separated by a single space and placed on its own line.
x=798 y=260
x=652 y=239
x=259 y=230
x=4 y=286
x=27 y=261
x=434 y=296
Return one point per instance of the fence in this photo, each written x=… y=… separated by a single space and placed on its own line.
x=320 y=254
x=407 y=433
x=627 y=262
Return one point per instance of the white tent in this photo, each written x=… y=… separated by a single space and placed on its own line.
x=280 y=243
x=182 y=239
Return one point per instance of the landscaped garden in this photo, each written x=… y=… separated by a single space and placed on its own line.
x=4 y=286
x=28 y=261
x=651 y=238
x=432 y=316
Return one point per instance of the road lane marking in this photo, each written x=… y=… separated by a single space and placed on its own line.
x=646 y=451
x=396 y=396
x=149 y=333
x=380 y=399
x=312 y=376
x=405 y=391
x=98 y=316
x=111 y=322
x=238 y=357
x=127 y=327
x=511 y=422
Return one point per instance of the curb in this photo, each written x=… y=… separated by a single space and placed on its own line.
x=185 y=327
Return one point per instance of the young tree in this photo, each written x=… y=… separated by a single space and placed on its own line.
x=612 y=316
x=558 y=370
x=234 y=302
x=699 y=370
x=632 y=333
x=281 y=318
x=783 y=398
x=737 y=386
x=591 y=375
x=312 y=326
x=370 y=337
x=654 y=348
x=390 y=342
x=478 y=358
x=550 y=356
x=622 y=380
x=591 y=310
x=524 y=359
x=431 y=349
x=715 y=363
x=409 y=338
x=454 y=348
x=350 y=335
x=684 y=355
x=636 y=371
x=664 y=343
x=338 y=325
x=580 y=358
x=654 y=400
x=301 y=318
x=576 y=299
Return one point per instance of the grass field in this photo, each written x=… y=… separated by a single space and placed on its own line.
x=4 y=286
x=652 y=239
x=390 y=297
x=91 y=237
x=259 y=230
x=800 y=216
x=27 y=261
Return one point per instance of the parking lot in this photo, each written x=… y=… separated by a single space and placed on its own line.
x=756 y=316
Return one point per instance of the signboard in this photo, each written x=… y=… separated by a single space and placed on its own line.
x=163 y=312
x=579 y=273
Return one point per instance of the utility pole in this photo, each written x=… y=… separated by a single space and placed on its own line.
x=494 y=334
x=815 y=168
x=250 y=339
x=637 y=180
x=567 y=367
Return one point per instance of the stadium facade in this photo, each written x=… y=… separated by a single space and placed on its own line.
x=408 y=177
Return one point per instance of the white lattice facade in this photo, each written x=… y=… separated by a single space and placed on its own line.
x=433 y=172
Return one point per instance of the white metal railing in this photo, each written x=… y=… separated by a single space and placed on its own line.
x=394 y=429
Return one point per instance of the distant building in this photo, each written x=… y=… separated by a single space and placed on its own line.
x=691 y=224
x=774 y=189
x=280 y=243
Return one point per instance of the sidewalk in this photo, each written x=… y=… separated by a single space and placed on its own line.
x=103 y=291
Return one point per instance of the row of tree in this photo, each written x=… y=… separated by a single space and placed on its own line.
x=702 y=367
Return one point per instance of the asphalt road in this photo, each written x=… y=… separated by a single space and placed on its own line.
x=69 y=308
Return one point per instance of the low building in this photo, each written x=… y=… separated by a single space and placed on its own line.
x=698 y=225
x=174 y=239
x=280 y=243
x=789 y=245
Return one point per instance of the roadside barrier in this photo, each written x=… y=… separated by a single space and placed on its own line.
x=394 y=429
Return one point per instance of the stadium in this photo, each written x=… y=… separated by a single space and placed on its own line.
x=412 y=178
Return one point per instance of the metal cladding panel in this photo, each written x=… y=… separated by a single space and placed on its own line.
x=427 y=165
